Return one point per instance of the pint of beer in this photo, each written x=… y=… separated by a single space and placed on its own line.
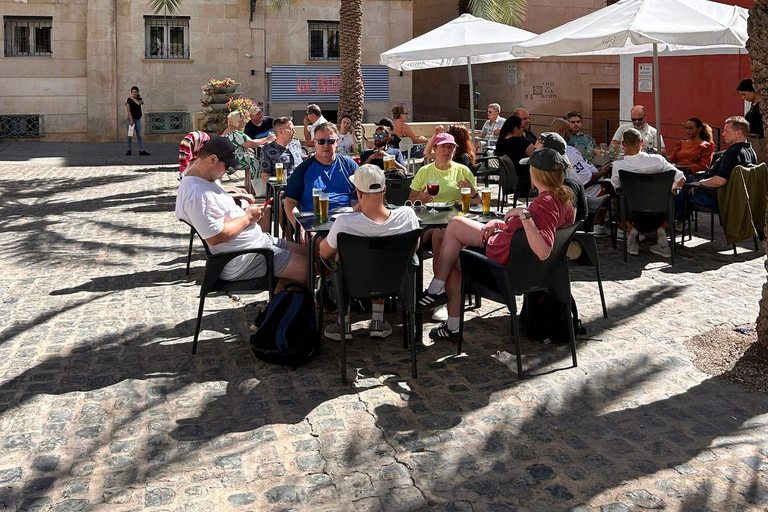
x=316 y=200
x=323 y=207
x=279 y=171
x=466 y=198
x=389 y=162
x=485 y=194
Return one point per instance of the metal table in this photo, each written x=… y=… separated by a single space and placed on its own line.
x=274 y=189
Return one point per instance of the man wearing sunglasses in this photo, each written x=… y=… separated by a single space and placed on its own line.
x=325 y=170
x=493 y=125
x=375 y=156
x=647 y=131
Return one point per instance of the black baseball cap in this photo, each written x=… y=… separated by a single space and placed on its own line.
x=223 y=148
x=547 y=159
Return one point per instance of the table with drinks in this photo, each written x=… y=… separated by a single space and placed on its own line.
x=431 y=216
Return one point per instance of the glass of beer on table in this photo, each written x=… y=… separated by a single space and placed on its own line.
x=316 y=200
x=485 y=194
x=279 y=171
x=466 y=198
x=323 y=207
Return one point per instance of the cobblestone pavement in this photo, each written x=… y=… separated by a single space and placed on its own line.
x=103 y=407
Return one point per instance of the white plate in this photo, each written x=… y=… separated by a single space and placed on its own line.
x=302 y=215
x=272 y=179
x=337 y=215
x=439 y=206
x=342 y=209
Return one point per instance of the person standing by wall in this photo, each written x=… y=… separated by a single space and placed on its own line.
x=133 y=109
x=756 y=136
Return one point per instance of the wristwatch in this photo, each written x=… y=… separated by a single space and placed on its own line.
x=525 y=214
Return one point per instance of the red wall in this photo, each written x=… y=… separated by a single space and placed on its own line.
x=702 y=86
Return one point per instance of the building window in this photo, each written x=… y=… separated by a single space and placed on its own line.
x=27 y=37
x=166 y=37
x=323 y=40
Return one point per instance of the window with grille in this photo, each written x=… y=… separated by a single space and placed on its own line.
x=323 y=40
x=27 y=37
x=166 y=37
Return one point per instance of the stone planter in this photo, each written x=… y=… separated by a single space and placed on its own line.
x=221 y=98
x=218 y=107
x=230 y=89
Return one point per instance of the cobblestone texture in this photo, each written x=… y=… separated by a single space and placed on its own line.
x=103 y=407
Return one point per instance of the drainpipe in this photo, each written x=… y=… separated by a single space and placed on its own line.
x=117 y=85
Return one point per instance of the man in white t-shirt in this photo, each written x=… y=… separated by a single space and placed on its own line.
x=226 y=227
x=312 y=120
x=637 y=114
x=373 y=220
x=638 y=161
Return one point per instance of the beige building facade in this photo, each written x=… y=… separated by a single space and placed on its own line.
x=74 y=62
x=546 y=87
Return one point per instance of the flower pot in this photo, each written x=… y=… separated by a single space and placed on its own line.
x=218 y=107
x=228 y=89
x=221 y=98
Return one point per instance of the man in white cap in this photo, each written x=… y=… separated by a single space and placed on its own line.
x=373 y=219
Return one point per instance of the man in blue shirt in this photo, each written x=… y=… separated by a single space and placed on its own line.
x=375 y=156
x=325 y=170
x=578 y=138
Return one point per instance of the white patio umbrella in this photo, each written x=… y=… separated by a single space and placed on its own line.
x=639 y=26
x=466 y=40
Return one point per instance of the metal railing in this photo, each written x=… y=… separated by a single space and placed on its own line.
x=22 y=126
x=27 y=37
x=166 y=122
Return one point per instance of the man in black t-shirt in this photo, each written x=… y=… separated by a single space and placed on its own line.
x=740 y=152
x=133 y=110
x=259 y=126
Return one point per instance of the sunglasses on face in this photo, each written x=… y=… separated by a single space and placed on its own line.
x=379 y=136
x=323 y=141
x=637 y=119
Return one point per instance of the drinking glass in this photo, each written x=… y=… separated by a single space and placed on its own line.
x=279 y=172
x=433 y=188
x=485 y=194
x=324 y=207
x=466 y=199
x=316 y=200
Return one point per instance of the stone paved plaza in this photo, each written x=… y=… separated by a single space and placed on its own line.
x=103 y=406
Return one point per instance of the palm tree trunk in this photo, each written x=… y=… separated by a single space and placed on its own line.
x=757 y=45
x=350 y=40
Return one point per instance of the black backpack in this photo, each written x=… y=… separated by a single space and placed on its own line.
x=287 y=331
x=542 y=316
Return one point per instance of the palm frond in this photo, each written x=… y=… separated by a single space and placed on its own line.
x=276 y=6
x=509 y=12
x=170 y=7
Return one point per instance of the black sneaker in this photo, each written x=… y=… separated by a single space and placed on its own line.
x=143 y=153
x=128 y=153
x=442 y=333
x=328 y=306
x=432 y=300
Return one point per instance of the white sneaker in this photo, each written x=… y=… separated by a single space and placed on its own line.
x=380 y=329
x=640 y=237
x=440 y=314
x=633 y=246
x=661 y=234
x=600 y=230
x=664 y=252
x=333 y=332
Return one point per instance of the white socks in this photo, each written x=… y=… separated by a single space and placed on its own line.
x=378 y=312
x=452 y=323
x=436 y=286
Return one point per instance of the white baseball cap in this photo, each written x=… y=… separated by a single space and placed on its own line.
x=369 y=178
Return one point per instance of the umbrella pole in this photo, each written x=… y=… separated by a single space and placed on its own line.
x=471 y=102
x=656 y=94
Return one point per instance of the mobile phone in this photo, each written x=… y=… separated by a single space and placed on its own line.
x=269 y=201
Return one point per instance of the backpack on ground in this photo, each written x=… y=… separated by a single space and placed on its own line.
x=543 y=317
x=287 y=331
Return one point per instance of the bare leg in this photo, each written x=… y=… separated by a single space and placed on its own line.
x=296 y=270
x=437 y=243
x=461 y=232
x=453 y=290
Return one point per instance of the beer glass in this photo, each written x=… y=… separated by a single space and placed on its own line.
x=466 y=193
x=389 y=162
x=323 y=207
x=279 y=172
x=485 y=194
x=316 y=200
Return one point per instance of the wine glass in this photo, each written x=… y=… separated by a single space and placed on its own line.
x=433 y=187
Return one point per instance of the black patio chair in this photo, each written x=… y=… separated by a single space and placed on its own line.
x=398 y=191
x=586 y=237
x=525 y=273
x=212 y=282
x=375 y=268
x=648 y=193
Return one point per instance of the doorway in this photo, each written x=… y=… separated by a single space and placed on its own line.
x=605 y=114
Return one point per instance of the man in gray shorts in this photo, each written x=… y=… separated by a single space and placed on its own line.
x=227 y=227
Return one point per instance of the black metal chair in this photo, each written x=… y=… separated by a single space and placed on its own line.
x=376 y=268
x=648 y=193
x=212 y=282
x=525 y=273
x=586 y=237
x=398 y=191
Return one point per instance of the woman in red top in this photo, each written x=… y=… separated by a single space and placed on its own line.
x=551 y=209
x=695 y=154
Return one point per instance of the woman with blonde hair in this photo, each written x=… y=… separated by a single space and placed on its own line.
x=245 y=146
x=550 y=210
